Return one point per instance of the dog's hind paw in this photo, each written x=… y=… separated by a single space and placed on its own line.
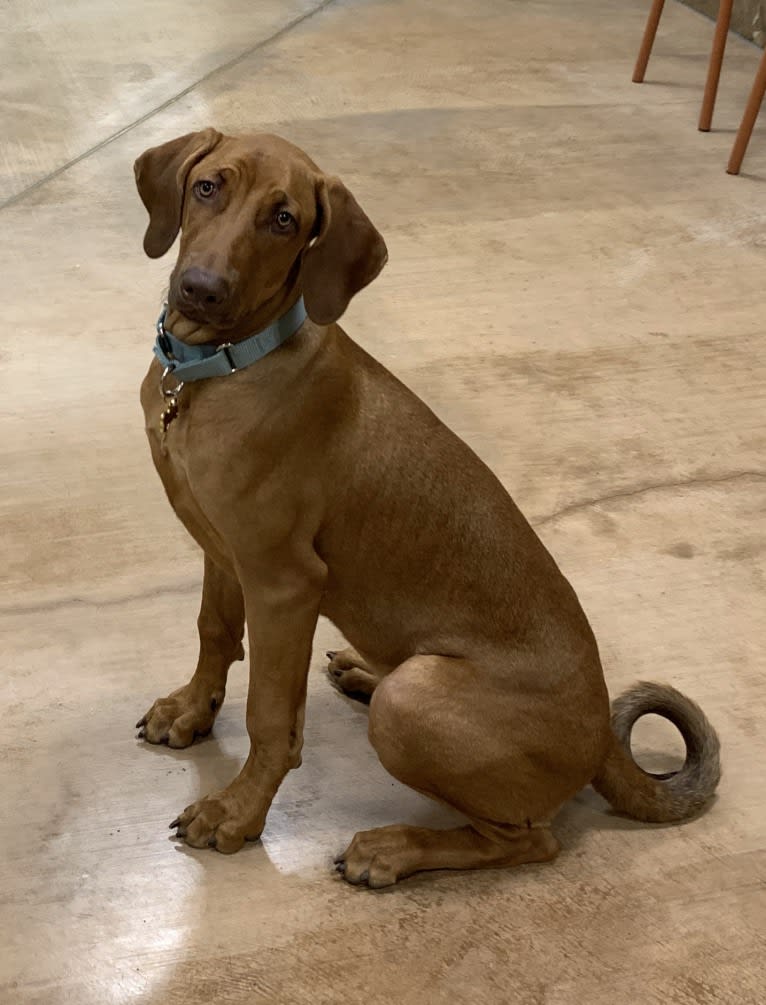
x=352 y=683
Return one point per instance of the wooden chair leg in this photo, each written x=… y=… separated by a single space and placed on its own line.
x=648 y=41
x=714 y=66
x=748 y=119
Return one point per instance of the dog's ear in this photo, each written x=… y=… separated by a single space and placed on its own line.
x=347 y=253
x=161 y=174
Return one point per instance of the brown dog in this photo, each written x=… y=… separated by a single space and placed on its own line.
x=316 y=483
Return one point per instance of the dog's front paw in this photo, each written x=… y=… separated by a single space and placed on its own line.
x=181 y=717
x=219 y=821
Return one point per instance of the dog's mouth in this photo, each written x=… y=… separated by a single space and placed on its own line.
x=221 y=318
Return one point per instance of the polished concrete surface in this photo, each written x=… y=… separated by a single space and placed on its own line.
x=574 y=285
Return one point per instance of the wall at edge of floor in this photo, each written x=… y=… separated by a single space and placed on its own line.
x=748 y=16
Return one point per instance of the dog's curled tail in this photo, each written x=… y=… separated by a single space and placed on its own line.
x=659 y=798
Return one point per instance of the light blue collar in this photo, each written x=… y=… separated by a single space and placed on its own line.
x=198 y=362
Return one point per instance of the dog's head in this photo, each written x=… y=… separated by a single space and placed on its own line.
x=258 y=221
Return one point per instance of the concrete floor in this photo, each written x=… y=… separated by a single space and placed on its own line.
x=574 y=285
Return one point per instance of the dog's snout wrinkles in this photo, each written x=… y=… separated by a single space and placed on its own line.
x=204 y=288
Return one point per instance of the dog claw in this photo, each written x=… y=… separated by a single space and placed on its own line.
x=176 y=823
x=330 y=654
x=141 y=734
x=340 y=866
x=141 y=722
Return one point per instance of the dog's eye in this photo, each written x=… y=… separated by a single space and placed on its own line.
x=284 y=220
x=205 y=188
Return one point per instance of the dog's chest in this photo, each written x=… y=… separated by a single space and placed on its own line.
x=166 y=420
x=186 y=468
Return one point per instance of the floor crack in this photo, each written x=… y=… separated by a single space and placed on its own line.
x=682 y=483
x=179 y=589
x=62 y=169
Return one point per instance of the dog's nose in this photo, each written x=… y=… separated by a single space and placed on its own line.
x=203 y=287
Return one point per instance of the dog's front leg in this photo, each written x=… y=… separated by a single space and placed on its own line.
x=191 y=710
x=281 y=607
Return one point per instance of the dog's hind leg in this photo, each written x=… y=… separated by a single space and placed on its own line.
x=456 y=732
x=384 y=855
